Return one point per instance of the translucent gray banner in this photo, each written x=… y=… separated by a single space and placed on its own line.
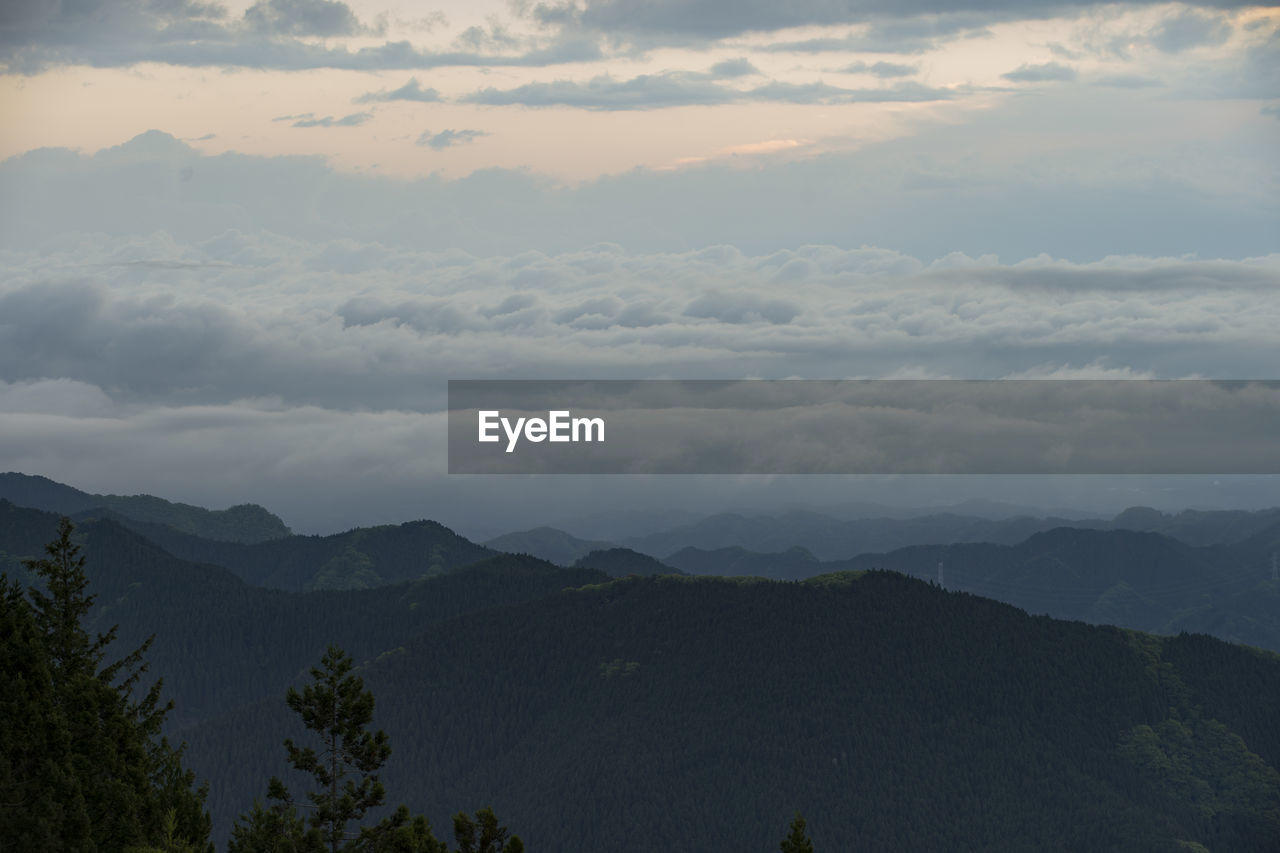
x=864 y=427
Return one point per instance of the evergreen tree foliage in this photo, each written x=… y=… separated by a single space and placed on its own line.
x=85 y=767
x=337 y=708
x=403 y=833
x=345 y=768
x=61 y=612
x=42 y=806
x=484 y=835
x=797 y=841
x=273 y=829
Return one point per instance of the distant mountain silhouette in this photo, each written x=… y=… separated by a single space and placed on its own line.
x=621 y=562
x=243 y=523
x=547 y=543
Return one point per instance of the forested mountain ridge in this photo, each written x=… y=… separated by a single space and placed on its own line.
x=793 y=564
x=1121 y=577
x=620 y=562
x=242 y=523
x=221 y=642
x=691 y=714
x=1137 y=580
x=360 y=558
x=701 y=713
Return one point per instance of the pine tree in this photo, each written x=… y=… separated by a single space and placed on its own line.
x=484 y=835
x=61 y=612
x=337 y=708
x=798 y=840
x=273 y=829
x=121 y=776
x=41 y=803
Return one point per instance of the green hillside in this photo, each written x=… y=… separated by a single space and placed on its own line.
x=698 y=714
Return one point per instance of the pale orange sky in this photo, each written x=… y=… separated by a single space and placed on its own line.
x=236 y=109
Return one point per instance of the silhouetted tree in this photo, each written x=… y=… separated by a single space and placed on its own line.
x=337 y=708
x=108 y=780
x=483 y=835
x=797 y=841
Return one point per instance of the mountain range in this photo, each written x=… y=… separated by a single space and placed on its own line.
x=617 y=705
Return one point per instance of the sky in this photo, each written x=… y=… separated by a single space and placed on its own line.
x=243 y=246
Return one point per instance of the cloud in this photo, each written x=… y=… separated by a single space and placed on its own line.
x=729 y=68
x=255 y=366
x=1127 y=81
x=446 y=138
x=347 y=325
x=913 y=427
x=822 y=93
x=718 y=19
x=1252 y=71
x=391 y=464
x=740 y=308
x=411 y=91
x=309 y=120
x=1189 y=29
x=883 y=70
x=302 y=18
x=647 y=91
x=1014 y=179
x=910 y=35
x=1049 y=72
x=682 y=88
x=272 y=34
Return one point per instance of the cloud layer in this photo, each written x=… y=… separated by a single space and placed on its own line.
x=1017 y=179
x=257 y=366
x=350 y=325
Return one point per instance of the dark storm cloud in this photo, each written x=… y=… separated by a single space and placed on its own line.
x=411 y=91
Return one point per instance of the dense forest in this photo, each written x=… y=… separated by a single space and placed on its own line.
x=616 y=706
